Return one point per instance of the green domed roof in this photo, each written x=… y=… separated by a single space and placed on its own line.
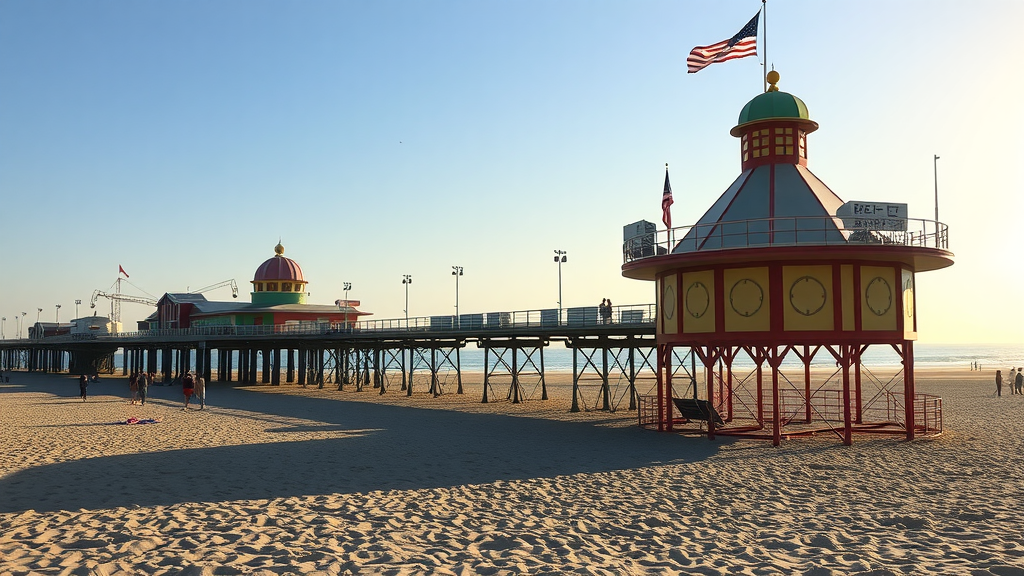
x=772 y=105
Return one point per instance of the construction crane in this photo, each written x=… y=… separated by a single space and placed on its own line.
x=118 y=298
x=234 y=288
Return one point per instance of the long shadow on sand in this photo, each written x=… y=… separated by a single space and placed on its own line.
x=386 y=448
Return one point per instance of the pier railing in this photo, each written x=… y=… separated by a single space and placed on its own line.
x=465 y=324
x=784 y=231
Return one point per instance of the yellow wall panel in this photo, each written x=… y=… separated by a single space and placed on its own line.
x=747 y=300
x=878 y=293
x=698 y=302
x=807 y=298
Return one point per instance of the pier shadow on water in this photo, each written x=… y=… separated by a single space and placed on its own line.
x=378 y=447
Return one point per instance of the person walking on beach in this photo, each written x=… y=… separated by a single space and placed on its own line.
x=201 y=390
x=1018 y=382
x=1009 y=381
x=999 y=382
x=133 y=387
x=143 y=387
x=188 y=387
x=83 y=385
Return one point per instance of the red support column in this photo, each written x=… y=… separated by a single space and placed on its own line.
x=709 y=370
x=807 y=384
x=760 y=391
x=859 y=414
x=660 y=387
x=730 y=351
x=909 y=392
x=668 y=387
x=847 y=351
x=776 y=408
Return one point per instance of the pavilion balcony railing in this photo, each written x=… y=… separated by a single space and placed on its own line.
x=469 y=324
x=788 y=231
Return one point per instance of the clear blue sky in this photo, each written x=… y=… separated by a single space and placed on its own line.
x=181 y=139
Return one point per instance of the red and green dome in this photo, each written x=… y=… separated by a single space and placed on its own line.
x=774 y=105
x=279 y=268
x=279 y=280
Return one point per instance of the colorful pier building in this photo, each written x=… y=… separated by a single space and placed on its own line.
x=778 y=268
x=278 y=299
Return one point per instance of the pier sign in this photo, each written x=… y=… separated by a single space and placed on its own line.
x=858 y=214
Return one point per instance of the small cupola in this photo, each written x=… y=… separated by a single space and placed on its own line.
x=773 y=128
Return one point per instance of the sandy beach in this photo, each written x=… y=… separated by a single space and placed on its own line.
x=273 y=480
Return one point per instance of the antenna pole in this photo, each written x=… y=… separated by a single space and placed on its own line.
x=764 y=42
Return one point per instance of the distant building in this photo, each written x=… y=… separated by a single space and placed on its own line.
x=94 y=326
x=278 y=298
x=48 y=329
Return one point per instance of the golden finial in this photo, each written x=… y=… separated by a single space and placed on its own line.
x=279 y=249
x=773 y=79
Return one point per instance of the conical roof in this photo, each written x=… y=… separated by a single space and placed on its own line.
x=778 y=205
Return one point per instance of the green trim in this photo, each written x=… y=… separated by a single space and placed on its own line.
x=275 y=298
x=772 y=105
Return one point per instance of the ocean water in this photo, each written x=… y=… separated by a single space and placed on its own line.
x=557 y=358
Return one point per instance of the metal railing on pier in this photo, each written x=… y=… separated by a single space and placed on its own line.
x=783 y=231
x=552 y=319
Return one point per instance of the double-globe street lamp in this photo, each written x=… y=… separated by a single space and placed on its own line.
x=559 y=259
x=406 y=280
x=457 y=271
x=346 y=286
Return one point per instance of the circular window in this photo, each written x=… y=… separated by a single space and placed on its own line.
x=668 y=302
x=878 y=296
x=697 y=299
x=746 y=297
x=807 y=295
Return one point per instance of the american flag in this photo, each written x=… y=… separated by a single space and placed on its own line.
x=666 y=202
x=743 y=44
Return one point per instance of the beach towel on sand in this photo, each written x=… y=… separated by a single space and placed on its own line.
x=134 y=420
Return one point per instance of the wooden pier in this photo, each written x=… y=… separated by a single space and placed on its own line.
x=383 y=355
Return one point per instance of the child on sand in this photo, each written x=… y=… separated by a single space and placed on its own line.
x=188 y=386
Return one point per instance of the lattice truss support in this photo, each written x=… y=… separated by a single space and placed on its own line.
x=442 y=360
x=753 y=395
x=517 y=363
x=609 y=371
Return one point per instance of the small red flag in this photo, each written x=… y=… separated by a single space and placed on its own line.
x=666 y=202
x=121 y=270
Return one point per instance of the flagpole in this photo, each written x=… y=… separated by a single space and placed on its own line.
x=764 y=66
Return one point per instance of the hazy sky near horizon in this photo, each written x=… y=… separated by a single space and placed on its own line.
x=181 y=140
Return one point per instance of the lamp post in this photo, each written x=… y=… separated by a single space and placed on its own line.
x=559 y=258
x=3 y=321
x=77 y=302
x=407 y=279
x=56 y=316
x=38 y=312
x=935 y=167
x=22 y=325
x=347 y=286
x=457 y=271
